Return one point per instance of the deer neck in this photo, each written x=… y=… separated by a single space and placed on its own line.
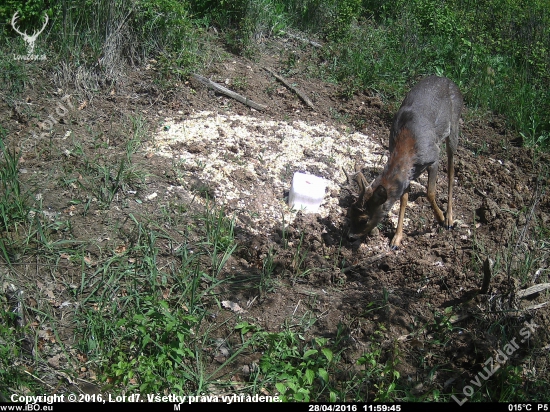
x=398 y=171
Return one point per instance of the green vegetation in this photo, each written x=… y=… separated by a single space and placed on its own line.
x=497 y=52
x=157 y=333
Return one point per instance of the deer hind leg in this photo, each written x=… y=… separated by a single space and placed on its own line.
x=396 y=241
x=451 y=177
x=432 y=179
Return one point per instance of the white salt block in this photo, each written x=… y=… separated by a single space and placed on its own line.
x=307 y=192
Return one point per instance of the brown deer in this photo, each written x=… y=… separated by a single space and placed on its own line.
x=429 y=114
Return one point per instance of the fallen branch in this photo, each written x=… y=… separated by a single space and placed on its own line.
x=223 y=90
x=294 y=89
x=522 y=294
x=487 y=274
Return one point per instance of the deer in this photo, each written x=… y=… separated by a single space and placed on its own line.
x=429 y=114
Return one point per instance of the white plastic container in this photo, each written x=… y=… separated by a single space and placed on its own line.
x=306 y=193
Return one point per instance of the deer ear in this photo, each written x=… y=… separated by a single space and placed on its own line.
x=379 y=196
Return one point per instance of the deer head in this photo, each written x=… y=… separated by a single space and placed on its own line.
x=367 y=211
x=28 y=39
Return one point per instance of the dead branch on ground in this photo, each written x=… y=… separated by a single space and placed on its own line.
x=294 y=89
x=224 y=90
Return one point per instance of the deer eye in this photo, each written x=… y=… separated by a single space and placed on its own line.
x=363 y=218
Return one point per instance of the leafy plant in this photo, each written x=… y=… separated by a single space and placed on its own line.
x=298 y=374
x=155 y=353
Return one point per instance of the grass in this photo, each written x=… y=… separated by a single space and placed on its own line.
x=14 y=207
x=157 y=328
x=267 y=281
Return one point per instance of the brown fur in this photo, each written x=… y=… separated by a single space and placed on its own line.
x=399 y=164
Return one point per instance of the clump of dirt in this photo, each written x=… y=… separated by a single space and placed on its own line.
x=209 y=147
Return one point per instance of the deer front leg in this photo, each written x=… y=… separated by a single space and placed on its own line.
x=432 y=178
x=451 y=177
x=396 y=241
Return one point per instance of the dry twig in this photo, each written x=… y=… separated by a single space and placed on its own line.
x=224 y=90
x=294 y=89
